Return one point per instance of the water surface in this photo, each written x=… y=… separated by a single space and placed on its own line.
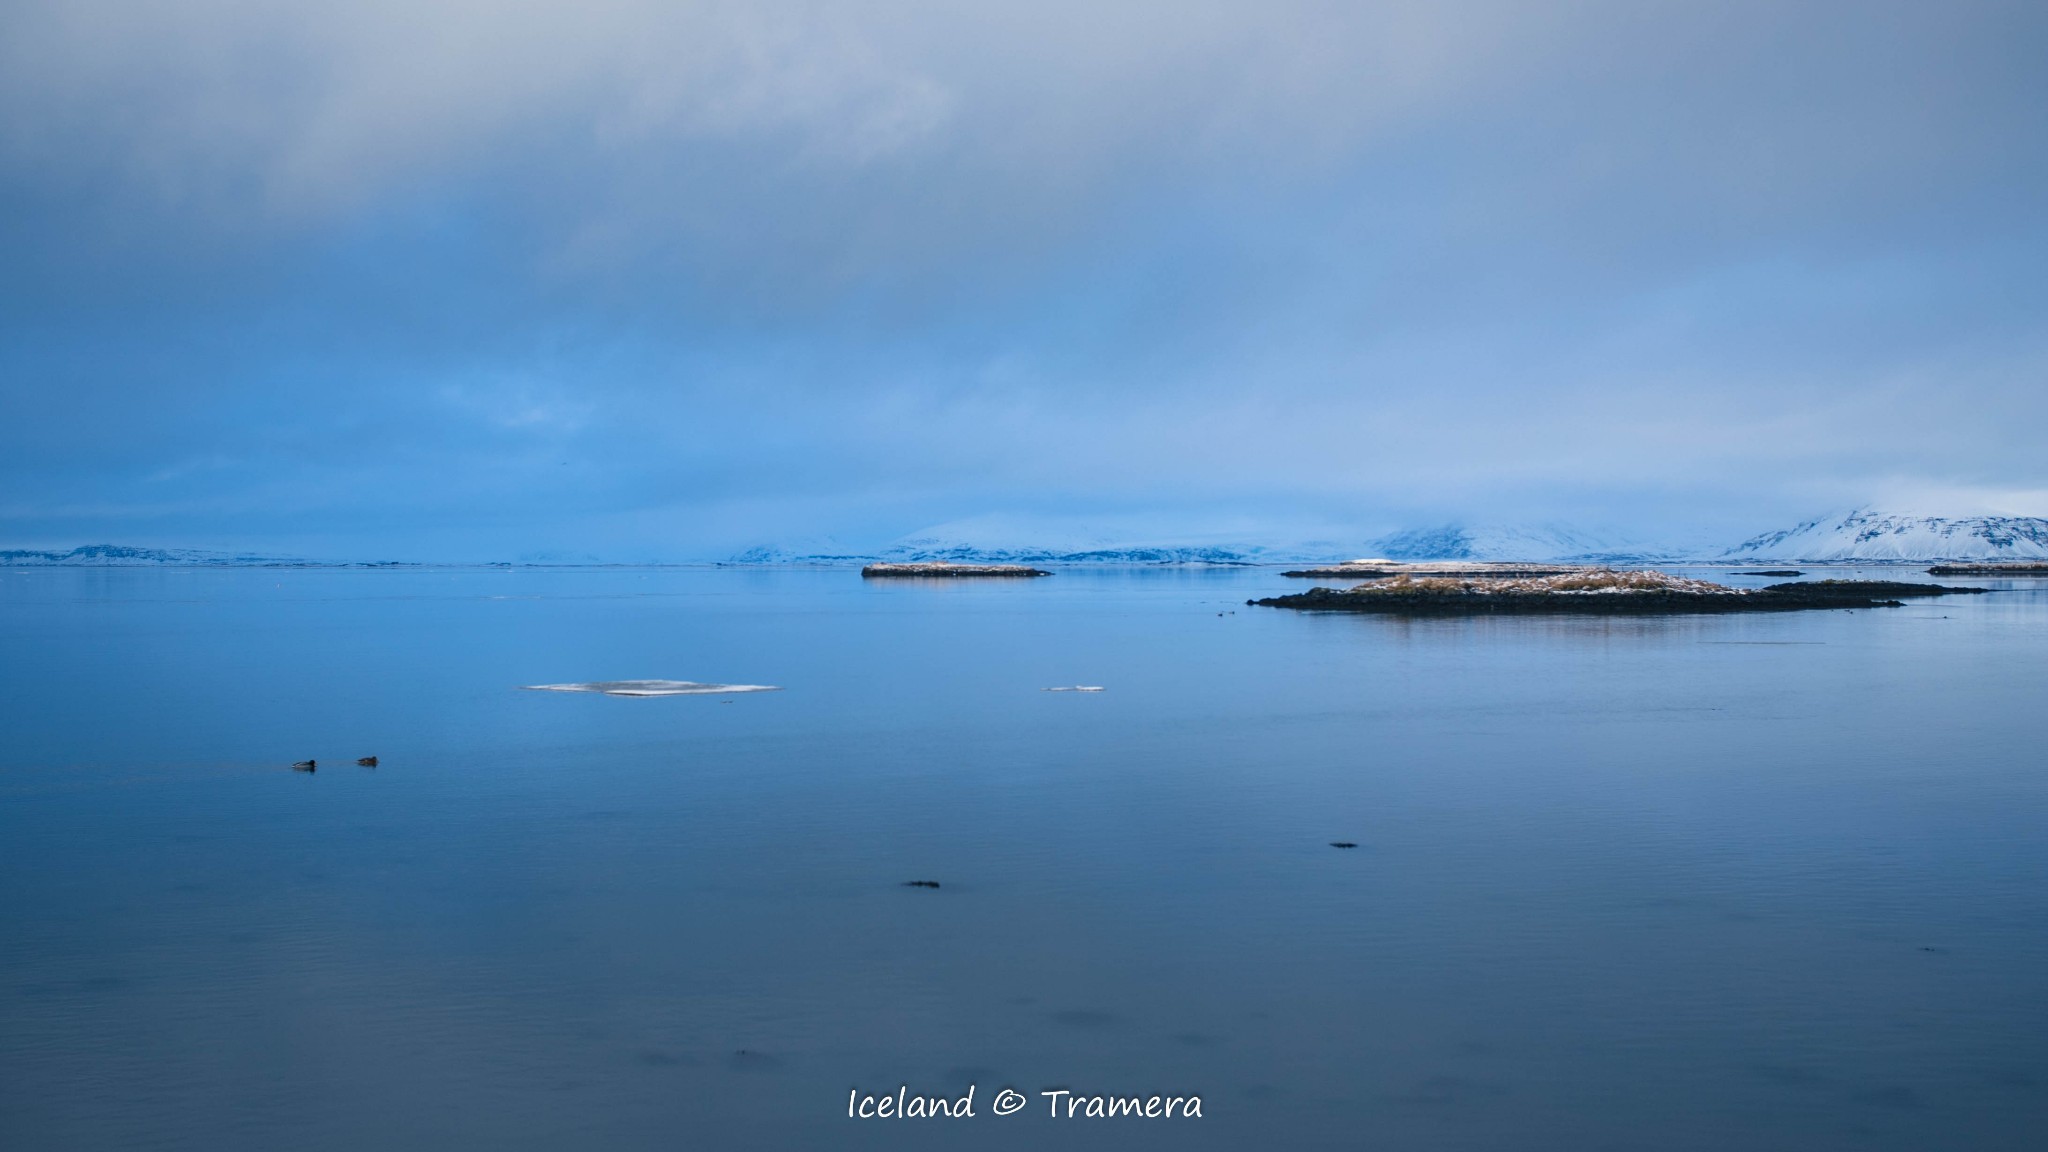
x=1771 y=881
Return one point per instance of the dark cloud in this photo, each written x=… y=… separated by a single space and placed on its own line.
x=508 y=277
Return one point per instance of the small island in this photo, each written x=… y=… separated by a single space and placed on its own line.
x=1994 y=568
x=1598 y=592
x=948 y=570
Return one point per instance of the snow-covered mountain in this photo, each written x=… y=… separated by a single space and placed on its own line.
x=121 y=556
x=1028 y=539
x=1878 y=536
x=1506 y=542
x=1106 y=554
x=929 y=548
x=1007 y=539
x=124 y=556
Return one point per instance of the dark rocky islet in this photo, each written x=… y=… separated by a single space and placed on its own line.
x=1601 y=593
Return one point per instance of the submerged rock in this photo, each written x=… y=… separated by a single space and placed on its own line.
x=949 y=570
x=1599 y=592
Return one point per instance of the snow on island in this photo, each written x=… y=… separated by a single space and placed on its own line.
x=1599 y=591
x=948 y=569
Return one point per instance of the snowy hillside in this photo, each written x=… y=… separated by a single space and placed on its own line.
x=929 y=548
x=123 y=556
x=1005 y=539
x=1878 y=536
x=1550 y=542
x=120 y=556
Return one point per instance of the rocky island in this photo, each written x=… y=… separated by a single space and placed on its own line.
x=949 y=570
x=1598 y=592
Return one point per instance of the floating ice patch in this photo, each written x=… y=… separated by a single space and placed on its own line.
x=1076 y=688
x=651 y=688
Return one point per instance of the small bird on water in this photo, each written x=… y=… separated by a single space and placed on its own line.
x=303 y=766
x=366 y=762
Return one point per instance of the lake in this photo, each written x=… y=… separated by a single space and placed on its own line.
x=1760 y=881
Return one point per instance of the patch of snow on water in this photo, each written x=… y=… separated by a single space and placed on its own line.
x=651 y=688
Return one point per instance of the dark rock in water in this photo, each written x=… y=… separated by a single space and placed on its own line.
x=304 y=766
x=366 y=762
x=1342 y=844
x=1600 y=593
x=1835 y=589
x=1996 y=568
x=947 y=570
x=1774 y=572
x=920 y=883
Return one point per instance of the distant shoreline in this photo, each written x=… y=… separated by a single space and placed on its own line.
x=34 y=560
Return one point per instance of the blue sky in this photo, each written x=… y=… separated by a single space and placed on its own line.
x=642 y=280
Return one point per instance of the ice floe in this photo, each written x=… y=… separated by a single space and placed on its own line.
x=651 y=688
x=1076 y=688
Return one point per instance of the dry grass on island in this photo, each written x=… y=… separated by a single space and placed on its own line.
x=1597 y=591
x=947 y=570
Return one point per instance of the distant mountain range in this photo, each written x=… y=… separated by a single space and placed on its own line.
x=979 y=554
x=122 y=556
x=1494 y=542
x=1040 y=540
x=1877 y=536
x=119 y=556
x=1864 y=536
x=1450 y=542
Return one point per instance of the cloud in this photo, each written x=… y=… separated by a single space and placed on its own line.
x=908 y=263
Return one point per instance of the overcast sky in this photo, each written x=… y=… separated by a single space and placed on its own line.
x=649 y=279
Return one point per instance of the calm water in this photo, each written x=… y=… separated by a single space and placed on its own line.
x=1715 y=882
